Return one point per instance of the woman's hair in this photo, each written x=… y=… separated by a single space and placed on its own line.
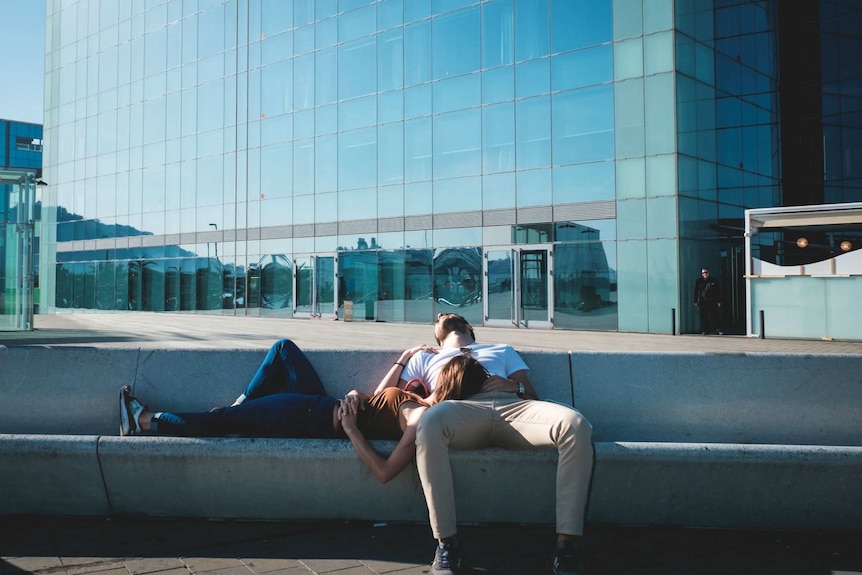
x=462 y=377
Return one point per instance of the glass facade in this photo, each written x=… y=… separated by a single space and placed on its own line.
x=20 y=168
x=544 y=163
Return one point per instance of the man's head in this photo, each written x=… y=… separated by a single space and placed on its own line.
x=452 y=322
x=704 y=272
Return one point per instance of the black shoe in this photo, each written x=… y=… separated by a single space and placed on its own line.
x=567 y=559
x=447 y=559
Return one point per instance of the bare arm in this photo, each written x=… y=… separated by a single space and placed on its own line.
x=393 y=376
x=356 y=400
x=384 y=469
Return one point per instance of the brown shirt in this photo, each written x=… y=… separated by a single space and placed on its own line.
x=379 y=419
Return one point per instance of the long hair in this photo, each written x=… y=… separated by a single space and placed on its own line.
x=462 y=377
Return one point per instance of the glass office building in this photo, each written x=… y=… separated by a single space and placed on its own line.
x=540 y=163
x=20 y=169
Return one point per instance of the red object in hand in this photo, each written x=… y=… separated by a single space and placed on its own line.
x=418 y=387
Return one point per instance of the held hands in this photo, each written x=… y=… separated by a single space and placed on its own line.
x=352 y=403
x=347 y=418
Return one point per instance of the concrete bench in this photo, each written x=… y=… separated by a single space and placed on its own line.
x=707 y=440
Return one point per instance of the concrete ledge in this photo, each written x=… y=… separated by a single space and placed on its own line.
x=723 y=485
x=64 y=391
x=697 y=485
x=52 y=475
x=720 y=398
x=312 y=479
x=695 y=439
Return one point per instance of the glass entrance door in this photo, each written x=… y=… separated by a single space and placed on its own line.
x=518 y=286
x=315 y=280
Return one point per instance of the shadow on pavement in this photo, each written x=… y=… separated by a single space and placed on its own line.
x=54 y=545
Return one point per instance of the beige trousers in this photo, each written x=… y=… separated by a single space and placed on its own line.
x=502 y=419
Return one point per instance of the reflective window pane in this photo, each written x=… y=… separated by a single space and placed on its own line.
x=576 y=25
x=390 y=156
x=457 y=144
x=390 y=60
x=498 y=85
x=532 y=78
x=457 y=195
x=357 y=159
x=582 y=68
x=531 y=29
x=584 y=284
x=533 y=132
x=457 y=93
x=498 y=138
x=584 y=183
x=357 y=69
x=417 y=52
x=584 y=125
x=456 y=43
x=498 y=47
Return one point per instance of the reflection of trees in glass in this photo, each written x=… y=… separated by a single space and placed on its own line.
x=359 y=270
x=458 y=276
x=418 y=282
x=188 y=284
x=63 y=292
x=276 y=281
x=582 y=277
x=105 y=274
x=172 y=286
x=146 y=285
x=209 y=284
x=304 y=287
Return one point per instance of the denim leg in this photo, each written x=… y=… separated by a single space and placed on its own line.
x=277 y=415
x=285 y=369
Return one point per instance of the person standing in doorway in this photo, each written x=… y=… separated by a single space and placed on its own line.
x=707 y=299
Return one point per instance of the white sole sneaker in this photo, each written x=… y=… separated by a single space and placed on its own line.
x=125 y=419
x=130 y=411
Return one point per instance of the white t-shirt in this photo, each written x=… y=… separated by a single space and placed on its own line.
x=497 y=358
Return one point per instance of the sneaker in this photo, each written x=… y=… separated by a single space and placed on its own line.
x=447 y=559
x=567 y=559
x=130 y=411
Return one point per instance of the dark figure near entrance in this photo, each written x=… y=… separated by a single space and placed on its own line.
x=707 y=298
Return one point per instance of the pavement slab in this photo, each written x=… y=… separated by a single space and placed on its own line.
x=364 y=548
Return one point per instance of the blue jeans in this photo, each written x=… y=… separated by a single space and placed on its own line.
x=285 y=398
x=277 y=415
x=285 y=369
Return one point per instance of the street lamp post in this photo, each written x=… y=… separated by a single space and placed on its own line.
x=215 y=242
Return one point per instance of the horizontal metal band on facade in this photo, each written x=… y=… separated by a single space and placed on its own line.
x=604 y=210
x=325 y=229
x=458 y=220
x=369 y=225
x=536 y=215
x=504 y=217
